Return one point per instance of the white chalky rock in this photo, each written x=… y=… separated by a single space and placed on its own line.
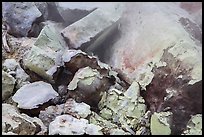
x=67 y=125
x=82 y=109
x=31 y=95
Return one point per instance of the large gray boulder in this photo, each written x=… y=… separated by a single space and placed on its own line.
x=20 y=16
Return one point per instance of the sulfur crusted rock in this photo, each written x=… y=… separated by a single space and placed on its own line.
x=194 y=126
x=160 y=123
x=123 y=108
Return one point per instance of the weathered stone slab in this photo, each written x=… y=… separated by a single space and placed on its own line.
x=86 y=29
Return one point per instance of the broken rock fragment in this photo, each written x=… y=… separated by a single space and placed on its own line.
x=84 y=30
x=50 y=113
x=125 y=108
x=67 y=125
x=81 y=110
x=160 y=123
x=20 y=16
x=31 y=95
x=194 y=126
x=41 y=57
x=14 y=122
x=14 y=68
x=8 y=83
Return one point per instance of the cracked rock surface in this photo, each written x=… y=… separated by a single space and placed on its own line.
x=102 y=68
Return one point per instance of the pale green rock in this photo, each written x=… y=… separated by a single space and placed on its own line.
x=85 y=76
x=126 y=107
x=106 y=113
x=8 y=83
x=160 y=123
x=194 y=126
x=40 y=61
x=50 y=39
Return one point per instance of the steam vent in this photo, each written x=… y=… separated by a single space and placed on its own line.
x=102 y=68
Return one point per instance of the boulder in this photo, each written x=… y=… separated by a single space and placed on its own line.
x=20 y=16
x=138 y=62
x=86 y=30
x=42 y=56
x=31 y=95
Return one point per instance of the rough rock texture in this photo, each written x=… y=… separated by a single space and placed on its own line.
x=107 y=126
x=86 y=29
x=137 y=62
x=50 y=113
x=18 y=47
x=20 y=16
x=42 y=56
x=123 y=108
x=194 y=126
x=13 y=121
x=50 y=39
x=160 y=123
x=67 y=125
x=8 y=83
x=80 y=110
x=14 y=68
x=43 y=8
x=31 y=95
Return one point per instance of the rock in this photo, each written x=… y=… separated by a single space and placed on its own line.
x=13 y=121
x=160 y=123
x=43 y=8
x=81 y=110
x=125 y=108
x=31 y=95
x=14 y=68
x=50 y=39
x=194 y=9
x=84 y=30
x=20 y=16
x=194 y=126
x=50 y=113
x=87 y=86
x=19 y=47
x=72 y=12
x=8 y=83
x=67 y=125
x=40 y=61
x=47 y=46
x=139 y=66
x=41 y=129
x=106 y=126
x=10 y=65
x=92 y=129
